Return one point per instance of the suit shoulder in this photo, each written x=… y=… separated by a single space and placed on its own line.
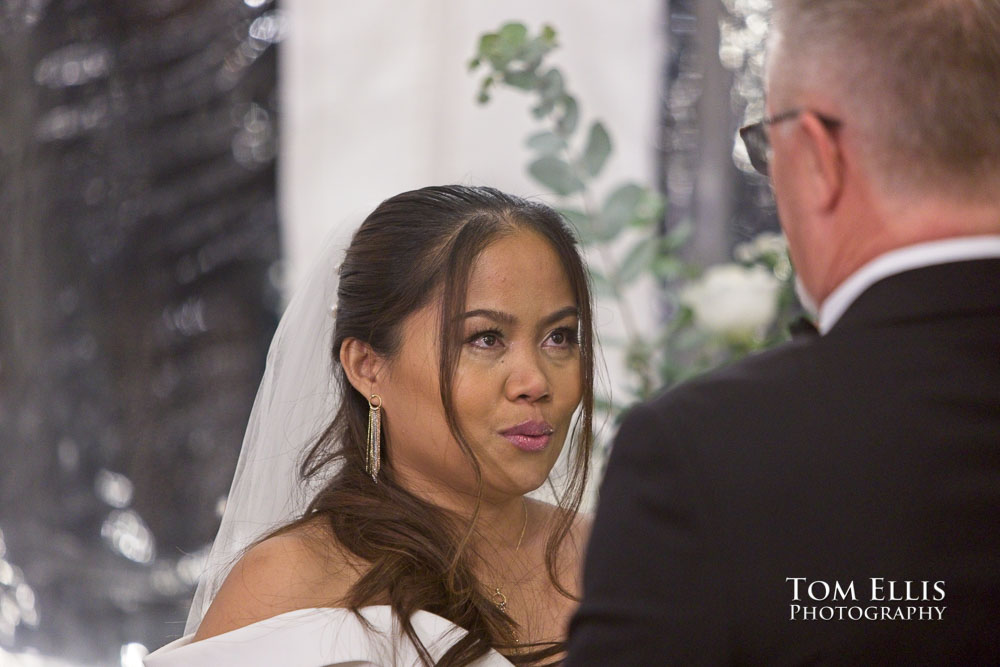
x=780 y=368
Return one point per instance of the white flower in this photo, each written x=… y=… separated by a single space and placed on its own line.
x=763 y=245
x=733 y=300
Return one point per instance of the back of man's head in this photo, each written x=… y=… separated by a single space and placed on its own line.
x=919 y=79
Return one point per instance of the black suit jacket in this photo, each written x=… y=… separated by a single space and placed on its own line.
x=872 y=452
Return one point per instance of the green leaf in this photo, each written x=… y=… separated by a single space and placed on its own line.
x=600 y=284
x=541 y=110
x=679 y=235
x=556 y=175
x=598 y=148
x=587 y=228
x=487 y=44
x=534 y=52
x=514 y=35
x=639 y=260
x=669 y=267
x=548 y=35
x=546 y=143
x=570 y=117
x=504 y=46
x=550 y=89
x=484 y=89
x=520 y=79
x=619 y=208
x=649 y=209
x=578 y=219
x=552 y=86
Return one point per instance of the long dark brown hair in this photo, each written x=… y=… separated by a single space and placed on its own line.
x=414 y=247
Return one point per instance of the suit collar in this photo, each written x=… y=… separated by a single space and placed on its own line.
x=957 y=288
x=915 y=256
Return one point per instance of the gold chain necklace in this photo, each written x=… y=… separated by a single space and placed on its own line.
x=498 y=598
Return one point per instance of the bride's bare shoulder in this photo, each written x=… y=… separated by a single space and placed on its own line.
x=301 y=568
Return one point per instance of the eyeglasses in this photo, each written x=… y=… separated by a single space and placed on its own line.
x=758 y=144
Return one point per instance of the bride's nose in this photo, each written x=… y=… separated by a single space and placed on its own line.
x=526 y=379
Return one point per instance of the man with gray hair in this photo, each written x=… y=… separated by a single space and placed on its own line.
x=836 y=500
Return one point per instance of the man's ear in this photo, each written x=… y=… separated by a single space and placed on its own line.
x=361 y=364
x=825 y=161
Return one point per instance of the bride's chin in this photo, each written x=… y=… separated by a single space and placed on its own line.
x=521 y=483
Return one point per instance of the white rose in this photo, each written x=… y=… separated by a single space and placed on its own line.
x=733 y=300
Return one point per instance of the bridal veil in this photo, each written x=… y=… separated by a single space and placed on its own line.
x=295 y=402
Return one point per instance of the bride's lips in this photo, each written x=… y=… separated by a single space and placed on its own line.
x=529 y=436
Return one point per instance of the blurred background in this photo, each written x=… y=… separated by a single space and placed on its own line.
x=168 y=168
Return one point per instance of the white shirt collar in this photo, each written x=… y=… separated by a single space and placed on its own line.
x=900 y=260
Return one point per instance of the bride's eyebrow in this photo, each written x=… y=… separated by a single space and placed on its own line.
x=510 y=320
x=562 y=313
x=495 y=315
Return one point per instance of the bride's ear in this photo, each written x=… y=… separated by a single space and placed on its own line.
x=360 y=363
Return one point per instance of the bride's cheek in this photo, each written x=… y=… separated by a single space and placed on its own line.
x=570 y=382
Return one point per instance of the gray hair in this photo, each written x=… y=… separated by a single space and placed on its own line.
x=919 y=79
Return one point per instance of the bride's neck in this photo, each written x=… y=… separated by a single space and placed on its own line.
x=501 y=522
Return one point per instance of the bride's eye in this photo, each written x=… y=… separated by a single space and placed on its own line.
x=486 y=340
x=563 y=338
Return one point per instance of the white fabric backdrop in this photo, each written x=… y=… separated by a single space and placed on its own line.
x=377 y=99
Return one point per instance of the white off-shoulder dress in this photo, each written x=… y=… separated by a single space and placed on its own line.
x=320 y=637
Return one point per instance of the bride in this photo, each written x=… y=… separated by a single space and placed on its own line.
x=461 y=347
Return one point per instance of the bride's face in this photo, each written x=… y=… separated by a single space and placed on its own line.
x=516 y=385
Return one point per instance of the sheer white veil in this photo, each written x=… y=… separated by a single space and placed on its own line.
x=295 y=402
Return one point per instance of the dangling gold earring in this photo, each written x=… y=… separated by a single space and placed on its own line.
x=374 y=436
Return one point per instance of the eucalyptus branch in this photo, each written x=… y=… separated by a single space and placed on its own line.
x=516 y=59
x=513 y=58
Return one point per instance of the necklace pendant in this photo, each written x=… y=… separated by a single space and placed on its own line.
x=499 y=599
